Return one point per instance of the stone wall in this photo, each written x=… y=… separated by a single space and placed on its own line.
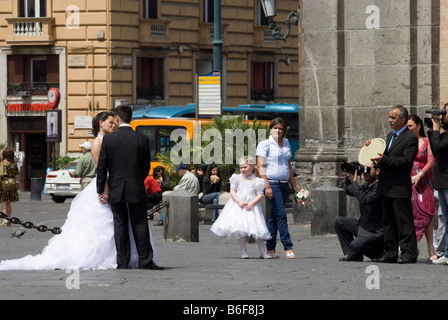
x=357 y=58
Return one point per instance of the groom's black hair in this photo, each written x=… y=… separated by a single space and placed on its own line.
x=124 y=112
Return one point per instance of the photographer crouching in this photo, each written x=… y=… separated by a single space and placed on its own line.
x=363 y=237
x=439 y=146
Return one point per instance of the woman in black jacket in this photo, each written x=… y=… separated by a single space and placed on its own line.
x=211 y=188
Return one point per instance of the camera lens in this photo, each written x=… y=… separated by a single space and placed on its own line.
x=437 y=112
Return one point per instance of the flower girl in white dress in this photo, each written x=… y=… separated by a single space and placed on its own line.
x=242 y=215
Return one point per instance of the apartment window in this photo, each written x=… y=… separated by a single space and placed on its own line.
x=38 y=68
x=261 y=18
x=32 y=8
x=208 y=14
x=32 y=75
x=150 y=9
x=262 y=81
x=150 y=78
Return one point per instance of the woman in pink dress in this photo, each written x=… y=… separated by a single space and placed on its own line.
x=423 y=205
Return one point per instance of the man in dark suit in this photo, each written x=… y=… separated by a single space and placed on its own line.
x=125 y=156
x=363 y=236
x=439 y=146
x=396 y=189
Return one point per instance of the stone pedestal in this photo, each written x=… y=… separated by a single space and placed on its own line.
x=181 y=220
x=328 y=204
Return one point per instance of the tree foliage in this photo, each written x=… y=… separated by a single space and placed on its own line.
x=210 y=140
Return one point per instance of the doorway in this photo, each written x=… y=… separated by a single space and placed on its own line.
x=35 y=158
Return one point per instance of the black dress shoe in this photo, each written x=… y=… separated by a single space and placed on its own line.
x=352 y=257
x=385 y=260
x=406 y=260
x=152 y=266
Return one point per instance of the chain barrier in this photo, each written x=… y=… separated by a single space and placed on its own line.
x=30 y=225
x=56 y=230
x=156 y=208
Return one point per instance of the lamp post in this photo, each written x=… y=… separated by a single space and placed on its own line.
x=217 y=41
x=270 y=11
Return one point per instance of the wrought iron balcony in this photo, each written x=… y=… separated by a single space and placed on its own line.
x=26 y=89
x=262 y=94
x=150 y=93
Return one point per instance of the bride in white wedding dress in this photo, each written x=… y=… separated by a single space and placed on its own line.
x=87 y=238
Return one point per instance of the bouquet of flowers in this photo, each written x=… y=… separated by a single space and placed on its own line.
x=303 y=197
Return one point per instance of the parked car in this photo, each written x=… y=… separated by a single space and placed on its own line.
x=62 y=184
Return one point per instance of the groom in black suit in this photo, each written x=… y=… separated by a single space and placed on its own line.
x=125 y=156
x=396 y=189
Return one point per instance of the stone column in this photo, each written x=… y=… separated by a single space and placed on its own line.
x=357 y=58
x=321 y=93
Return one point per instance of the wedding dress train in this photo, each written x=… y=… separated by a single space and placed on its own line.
x=86 y=241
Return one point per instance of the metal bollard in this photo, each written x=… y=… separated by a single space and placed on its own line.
x=36 y=189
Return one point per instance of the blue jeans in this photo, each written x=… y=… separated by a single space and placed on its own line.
x=212 y=198
x=278 y=220
x=443 y=202
x=161 y=215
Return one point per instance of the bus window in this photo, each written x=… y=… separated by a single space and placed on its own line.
x=159 y=136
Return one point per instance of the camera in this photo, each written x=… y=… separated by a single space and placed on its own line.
x=428 y=122
x=353 y=166
x=437 y=112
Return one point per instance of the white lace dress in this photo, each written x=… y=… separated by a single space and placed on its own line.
x=86 y=241
x=234 y=221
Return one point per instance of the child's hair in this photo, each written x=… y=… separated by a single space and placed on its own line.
x=248 y=160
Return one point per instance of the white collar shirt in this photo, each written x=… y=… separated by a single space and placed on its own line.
x=276 y=165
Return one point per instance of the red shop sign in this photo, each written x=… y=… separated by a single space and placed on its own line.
x=29 y=107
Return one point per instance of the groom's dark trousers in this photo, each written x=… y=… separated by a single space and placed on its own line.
x=125 y=156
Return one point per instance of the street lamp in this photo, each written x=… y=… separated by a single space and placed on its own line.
x=270 y=11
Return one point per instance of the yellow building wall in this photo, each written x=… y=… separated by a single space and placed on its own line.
x=98 y=70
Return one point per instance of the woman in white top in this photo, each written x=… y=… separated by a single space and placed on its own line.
x=274 y=166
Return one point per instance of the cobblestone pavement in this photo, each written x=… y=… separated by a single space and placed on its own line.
x=212 y=270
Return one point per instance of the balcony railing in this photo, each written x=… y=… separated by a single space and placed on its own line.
x=26 y=89
x=29 y=31
x=154 y=31
x=150 y=93
x=264 y=37
x=207 y=33
x=262 y=94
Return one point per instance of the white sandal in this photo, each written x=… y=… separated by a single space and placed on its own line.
x=290 y=254
x=273 y=254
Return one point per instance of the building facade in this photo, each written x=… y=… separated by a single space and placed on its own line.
x=99 y=54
